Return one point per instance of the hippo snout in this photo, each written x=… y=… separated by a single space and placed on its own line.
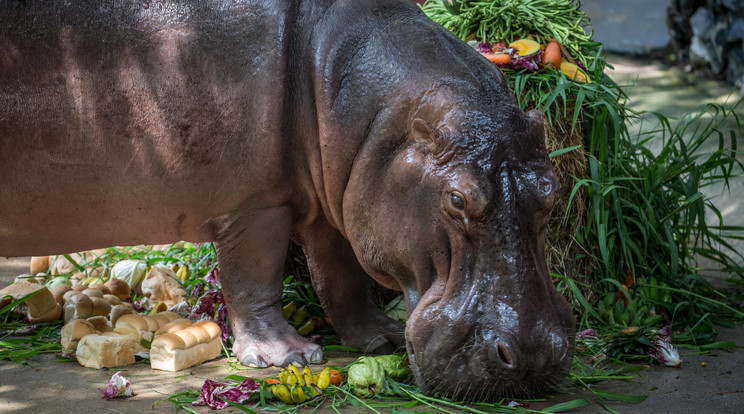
x=463 y=348
x=524 y=359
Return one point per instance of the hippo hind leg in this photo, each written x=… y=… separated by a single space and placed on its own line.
x=344 y=290
x=251 y=250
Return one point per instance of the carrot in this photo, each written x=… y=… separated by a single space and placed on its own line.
x=623 y=293
x=552 y=55
x=498 y=58
x=272 y=381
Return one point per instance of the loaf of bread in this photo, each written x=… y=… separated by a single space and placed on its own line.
x=140 y=327
x=59 y=291
x=80 y=305
x=39 y=264
x=41 y=307
x=101 y=323
x=105 y=350
x=161 y=284
x=175 y=325
x=117 y=311
x=119 y=288
x=74 y=331
x=186 y=347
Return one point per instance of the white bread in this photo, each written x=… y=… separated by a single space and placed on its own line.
x=100 y=286
x=175 y=325
x=52 y=314
x=162 y=285
x=41 y=307
x=101 y=323
x=140 y=327
x=39 y=264
x=119 y=288
x=60 y=264
x=59 y=291
x=118 y=311
x=105 y=350
x=74 y=331
x=186 y=347
x=79 y=305
x=111 y=299
x=93 y=293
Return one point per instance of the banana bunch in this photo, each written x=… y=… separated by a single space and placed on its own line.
x=304 y=324
x=296 y=387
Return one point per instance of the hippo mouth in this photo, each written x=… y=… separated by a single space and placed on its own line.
x=464 y=355
x=468 y=376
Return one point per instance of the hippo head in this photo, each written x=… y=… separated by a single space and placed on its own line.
x=456 y=218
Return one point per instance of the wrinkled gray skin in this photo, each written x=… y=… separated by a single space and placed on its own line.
x=360 y=129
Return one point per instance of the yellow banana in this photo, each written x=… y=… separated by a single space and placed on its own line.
x=293 y=369
x=309 y=379
x=183 y=273
x=91 y=280
x=294 y=379
x=306 y=327
x=314 y=391
x=289 y=309
x=298 y=395
x=300 y=315
x=281 y=392
x=284 y=376
x=324 y=379
x=160 y=307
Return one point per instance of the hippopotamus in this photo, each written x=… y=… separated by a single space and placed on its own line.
x=387 y=148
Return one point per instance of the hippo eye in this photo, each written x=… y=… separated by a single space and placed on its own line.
x=457 y=202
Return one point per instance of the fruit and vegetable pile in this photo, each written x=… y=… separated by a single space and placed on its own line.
x=521 y=35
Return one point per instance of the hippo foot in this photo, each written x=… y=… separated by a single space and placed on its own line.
x=278 y=349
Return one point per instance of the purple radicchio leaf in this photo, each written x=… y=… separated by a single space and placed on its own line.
x=221 y=320
x=141 y=305
x=484 y=47
x=531 y=63
x=663 y=351
x=196 y=290
x=118 y=386
x=182 y=307
x=587 y=334
x=665 y=333
x=211 y=390
x=213 y=276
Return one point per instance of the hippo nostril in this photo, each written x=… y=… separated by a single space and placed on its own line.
x=504 y=354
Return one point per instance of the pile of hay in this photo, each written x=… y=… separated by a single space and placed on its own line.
x=564 y=254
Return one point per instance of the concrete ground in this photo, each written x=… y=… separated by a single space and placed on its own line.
x=47 y=385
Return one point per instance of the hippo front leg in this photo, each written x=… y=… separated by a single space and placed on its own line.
x=251 y=251
x=344 y=289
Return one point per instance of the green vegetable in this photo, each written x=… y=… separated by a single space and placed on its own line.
x=366 y=377
x=395 y=365
x=59 y=280
x=452 y=6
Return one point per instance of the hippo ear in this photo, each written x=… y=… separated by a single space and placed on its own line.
x=426 y=135
x=536 y=121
